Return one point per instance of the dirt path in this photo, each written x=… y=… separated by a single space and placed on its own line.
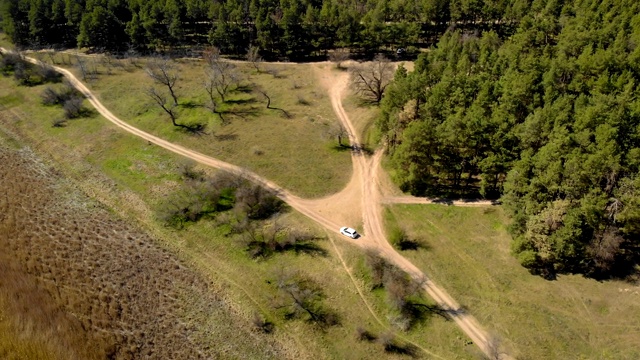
x=365 y=183
x=368 y=169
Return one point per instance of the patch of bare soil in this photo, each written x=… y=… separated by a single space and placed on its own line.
x=99 y=288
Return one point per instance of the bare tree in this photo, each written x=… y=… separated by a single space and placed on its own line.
x=163 y=72
x=263 y=92
x=253 y=56
x=371 y=79
x=221 y=75
x=171 y=109
x=51 y=53
x=339 y=56
x=82 y=66
x=338 y=132
x=301 y=296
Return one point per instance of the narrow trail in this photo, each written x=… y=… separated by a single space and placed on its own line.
x=365 y=168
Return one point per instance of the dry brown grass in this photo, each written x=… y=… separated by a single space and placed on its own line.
x=78 y=283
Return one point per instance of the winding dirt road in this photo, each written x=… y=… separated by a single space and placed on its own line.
x=364 y=185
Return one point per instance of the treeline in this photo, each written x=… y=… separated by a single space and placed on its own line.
x=548 y=119
x=291 y=29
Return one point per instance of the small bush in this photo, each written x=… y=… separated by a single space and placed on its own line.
x=400 y=240
x=48 y=74
x=258 y=202
x=8 y=62
x=363 y=334
x=53 y=96
x=303 y=101
x=391 y=345
x=404 y=293
x=261 y=324
x=73 y=108
x=59 y=122
x=188 y=172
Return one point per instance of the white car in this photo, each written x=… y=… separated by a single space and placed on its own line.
x=346 y=231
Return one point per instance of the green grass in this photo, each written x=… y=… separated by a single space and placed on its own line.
x=363 y=118
x=132 y=177
x=467 y=252
x=295 y=152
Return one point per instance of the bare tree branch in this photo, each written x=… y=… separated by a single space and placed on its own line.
x=371 y=80
x=221 y=75
x=253 y=56
x=163 y=72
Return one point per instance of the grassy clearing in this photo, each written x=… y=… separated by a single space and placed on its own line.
x=363 y=118
x=467 y=250
x=297 y=152
x=132 y=177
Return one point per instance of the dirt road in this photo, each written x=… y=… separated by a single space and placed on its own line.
x=364 y=185
x=375 y=237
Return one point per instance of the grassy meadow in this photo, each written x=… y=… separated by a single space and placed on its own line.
x=132 y=178
x=467 y=251
x=264 y=140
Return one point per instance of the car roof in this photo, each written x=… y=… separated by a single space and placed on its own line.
x=350 y=230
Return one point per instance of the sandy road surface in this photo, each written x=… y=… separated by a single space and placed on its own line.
x=366 y=170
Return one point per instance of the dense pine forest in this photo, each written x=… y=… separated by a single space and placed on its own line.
x=530 y=101
x=547 y=118
x=281 y=29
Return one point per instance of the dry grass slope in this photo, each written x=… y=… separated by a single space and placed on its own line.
x=83 y=284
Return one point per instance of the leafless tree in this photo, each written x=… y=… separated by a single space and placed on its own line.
x=73 y=108
x=51 y=53
x=163 y=72
x=339 y=56
x=263 y=92
x=221 y=75
x=253 y=56
x=371 y=79
x=171 y=109
x=338 y=132
x=301 y=296
x=82 y=66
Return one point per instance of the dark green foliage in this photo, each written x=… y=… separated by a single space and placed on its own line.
x=547 y=118
x=285 y=29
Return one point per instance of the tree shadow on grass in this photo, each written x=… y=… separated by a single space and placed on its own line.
x=198 y=129
x=406 y=244
x=401 y=349
x=242 y=101
x=190 y=104
x=417 y=312
x=341 y=148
